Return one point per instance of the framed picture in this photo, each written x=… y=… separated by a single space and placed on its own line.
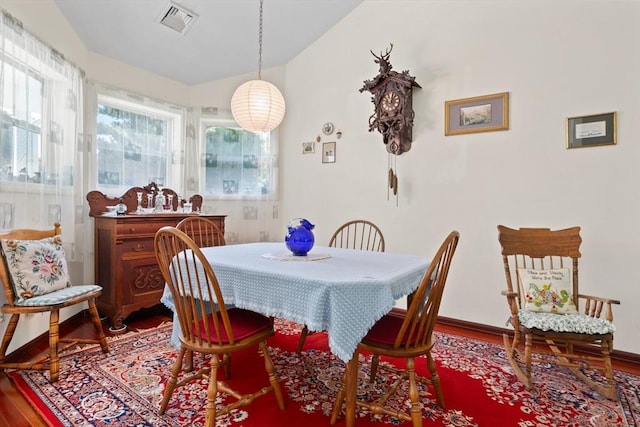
x=478 y=114
x=329 y=152
x=591 y=131
x=308 y=147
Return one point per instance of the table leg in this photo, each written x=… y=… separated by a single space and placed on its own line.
x=348 y=391
x=351 y=389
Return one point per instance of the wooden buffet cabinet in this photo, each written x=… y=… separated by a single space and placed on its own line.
x=125 y=260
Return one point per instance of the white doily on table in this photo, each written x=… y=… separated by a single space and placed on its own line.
x=288 y=256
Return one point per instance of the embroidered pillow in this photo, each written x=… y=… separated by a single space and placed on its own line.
x=36 y=267
x=547 y=291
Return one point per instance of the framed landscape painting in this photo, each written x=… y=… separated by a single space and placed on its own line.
x=478 y=114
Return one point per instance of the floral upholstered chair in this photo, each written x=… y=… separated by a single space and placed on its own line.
x=35 y=279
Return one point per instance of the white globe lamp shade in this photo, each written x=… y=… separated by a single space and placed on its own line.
x=257 y=106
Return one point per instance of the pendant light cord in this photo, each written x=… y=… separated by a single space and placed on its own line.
x=260 y=44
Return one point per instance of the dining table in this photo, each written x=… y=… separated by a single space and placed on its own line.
x=340 y=291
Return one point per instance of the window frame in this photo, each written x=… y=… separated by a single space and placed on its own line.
x=175 y=120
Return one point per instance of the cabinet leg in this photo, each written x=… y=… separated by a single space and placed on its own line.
x=117 y=327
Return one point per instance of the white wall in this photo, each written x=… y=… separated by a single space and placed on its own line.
x=557 y=59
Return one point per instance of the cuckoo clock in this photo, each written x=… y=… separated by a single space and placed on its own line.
x=392 y=99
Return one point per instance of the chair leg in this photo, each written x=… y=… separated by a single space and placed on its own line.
x=54 y=338
x=188 y=365
x=303 y=337
x=414 y=395
x=435 y=380
x=226 y=361
x=273 y=379
x=512 y=352
x=528 y=347
x=97 y=323
x=8 y=336
x=173 y=381
x=212 y=391
x=375 y=360
x=608 y=390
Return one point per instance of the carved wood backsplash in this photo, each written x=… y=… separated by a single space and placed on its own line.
x=99 y=201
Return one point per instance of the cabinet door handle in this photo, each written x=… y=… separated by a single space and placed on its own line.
x=132 y=230
x=138 y=248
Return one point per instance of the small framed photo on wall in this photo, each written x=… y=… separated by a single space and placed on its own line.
x=591 y=131
x=329 y=152
x=308 y=147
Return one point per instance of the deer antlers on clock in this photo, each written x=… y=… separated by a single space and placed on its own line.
x=383 y=59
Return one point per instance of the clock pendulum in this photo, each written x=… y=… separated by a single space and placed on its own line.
x=392 y=179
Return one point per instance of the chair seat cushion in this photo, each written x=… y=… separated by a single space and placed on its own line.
x=385 y=330
x=576 y=323
x=59 y=297
x=244 y=323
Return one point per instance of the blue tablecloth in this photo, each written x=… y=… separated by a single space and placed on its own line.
x=344 y=293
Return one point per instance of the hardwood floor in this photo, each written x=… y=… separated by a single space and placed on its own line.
x=15 y=411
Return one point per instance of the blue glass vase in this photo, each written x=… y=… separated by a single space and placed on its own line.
x=299 y=238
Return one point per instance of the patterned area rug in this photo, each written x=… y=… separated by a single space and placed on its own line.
x=124 y=388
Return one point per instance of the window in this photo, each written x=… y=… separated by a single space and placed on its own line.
x=237 y=163
x=41 y=132
x=134 y=143
x=21 y=151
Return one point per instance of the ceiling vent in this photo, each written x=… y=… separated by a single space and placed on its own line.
x=177 y=17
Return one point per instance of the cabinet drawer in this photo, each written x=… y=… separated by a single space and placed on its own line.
x=136 y=246
x=130 y=229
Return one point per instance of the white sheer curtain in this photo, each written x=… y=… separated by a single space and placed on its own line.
x=41 y=139
x=192 y=152
x=251 y=205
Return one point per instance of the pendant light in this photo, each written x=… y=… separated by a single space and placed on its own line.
x=257 y=105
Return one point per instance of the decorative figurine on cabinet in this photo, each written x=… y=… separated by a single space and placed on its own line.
x=392 y=100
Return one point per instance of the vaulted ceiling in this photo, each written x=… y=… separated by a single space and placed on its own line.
x=221 y=37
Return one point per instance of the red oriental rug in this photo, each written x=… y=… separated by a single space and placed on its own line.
x=124 y=388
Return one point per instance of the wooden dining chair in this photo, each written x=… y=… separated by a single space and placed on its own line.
x=356 y=234
x=207 y=326
x=35 y=279
x=407 y=334
x=550 y=317
x=204 y=233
